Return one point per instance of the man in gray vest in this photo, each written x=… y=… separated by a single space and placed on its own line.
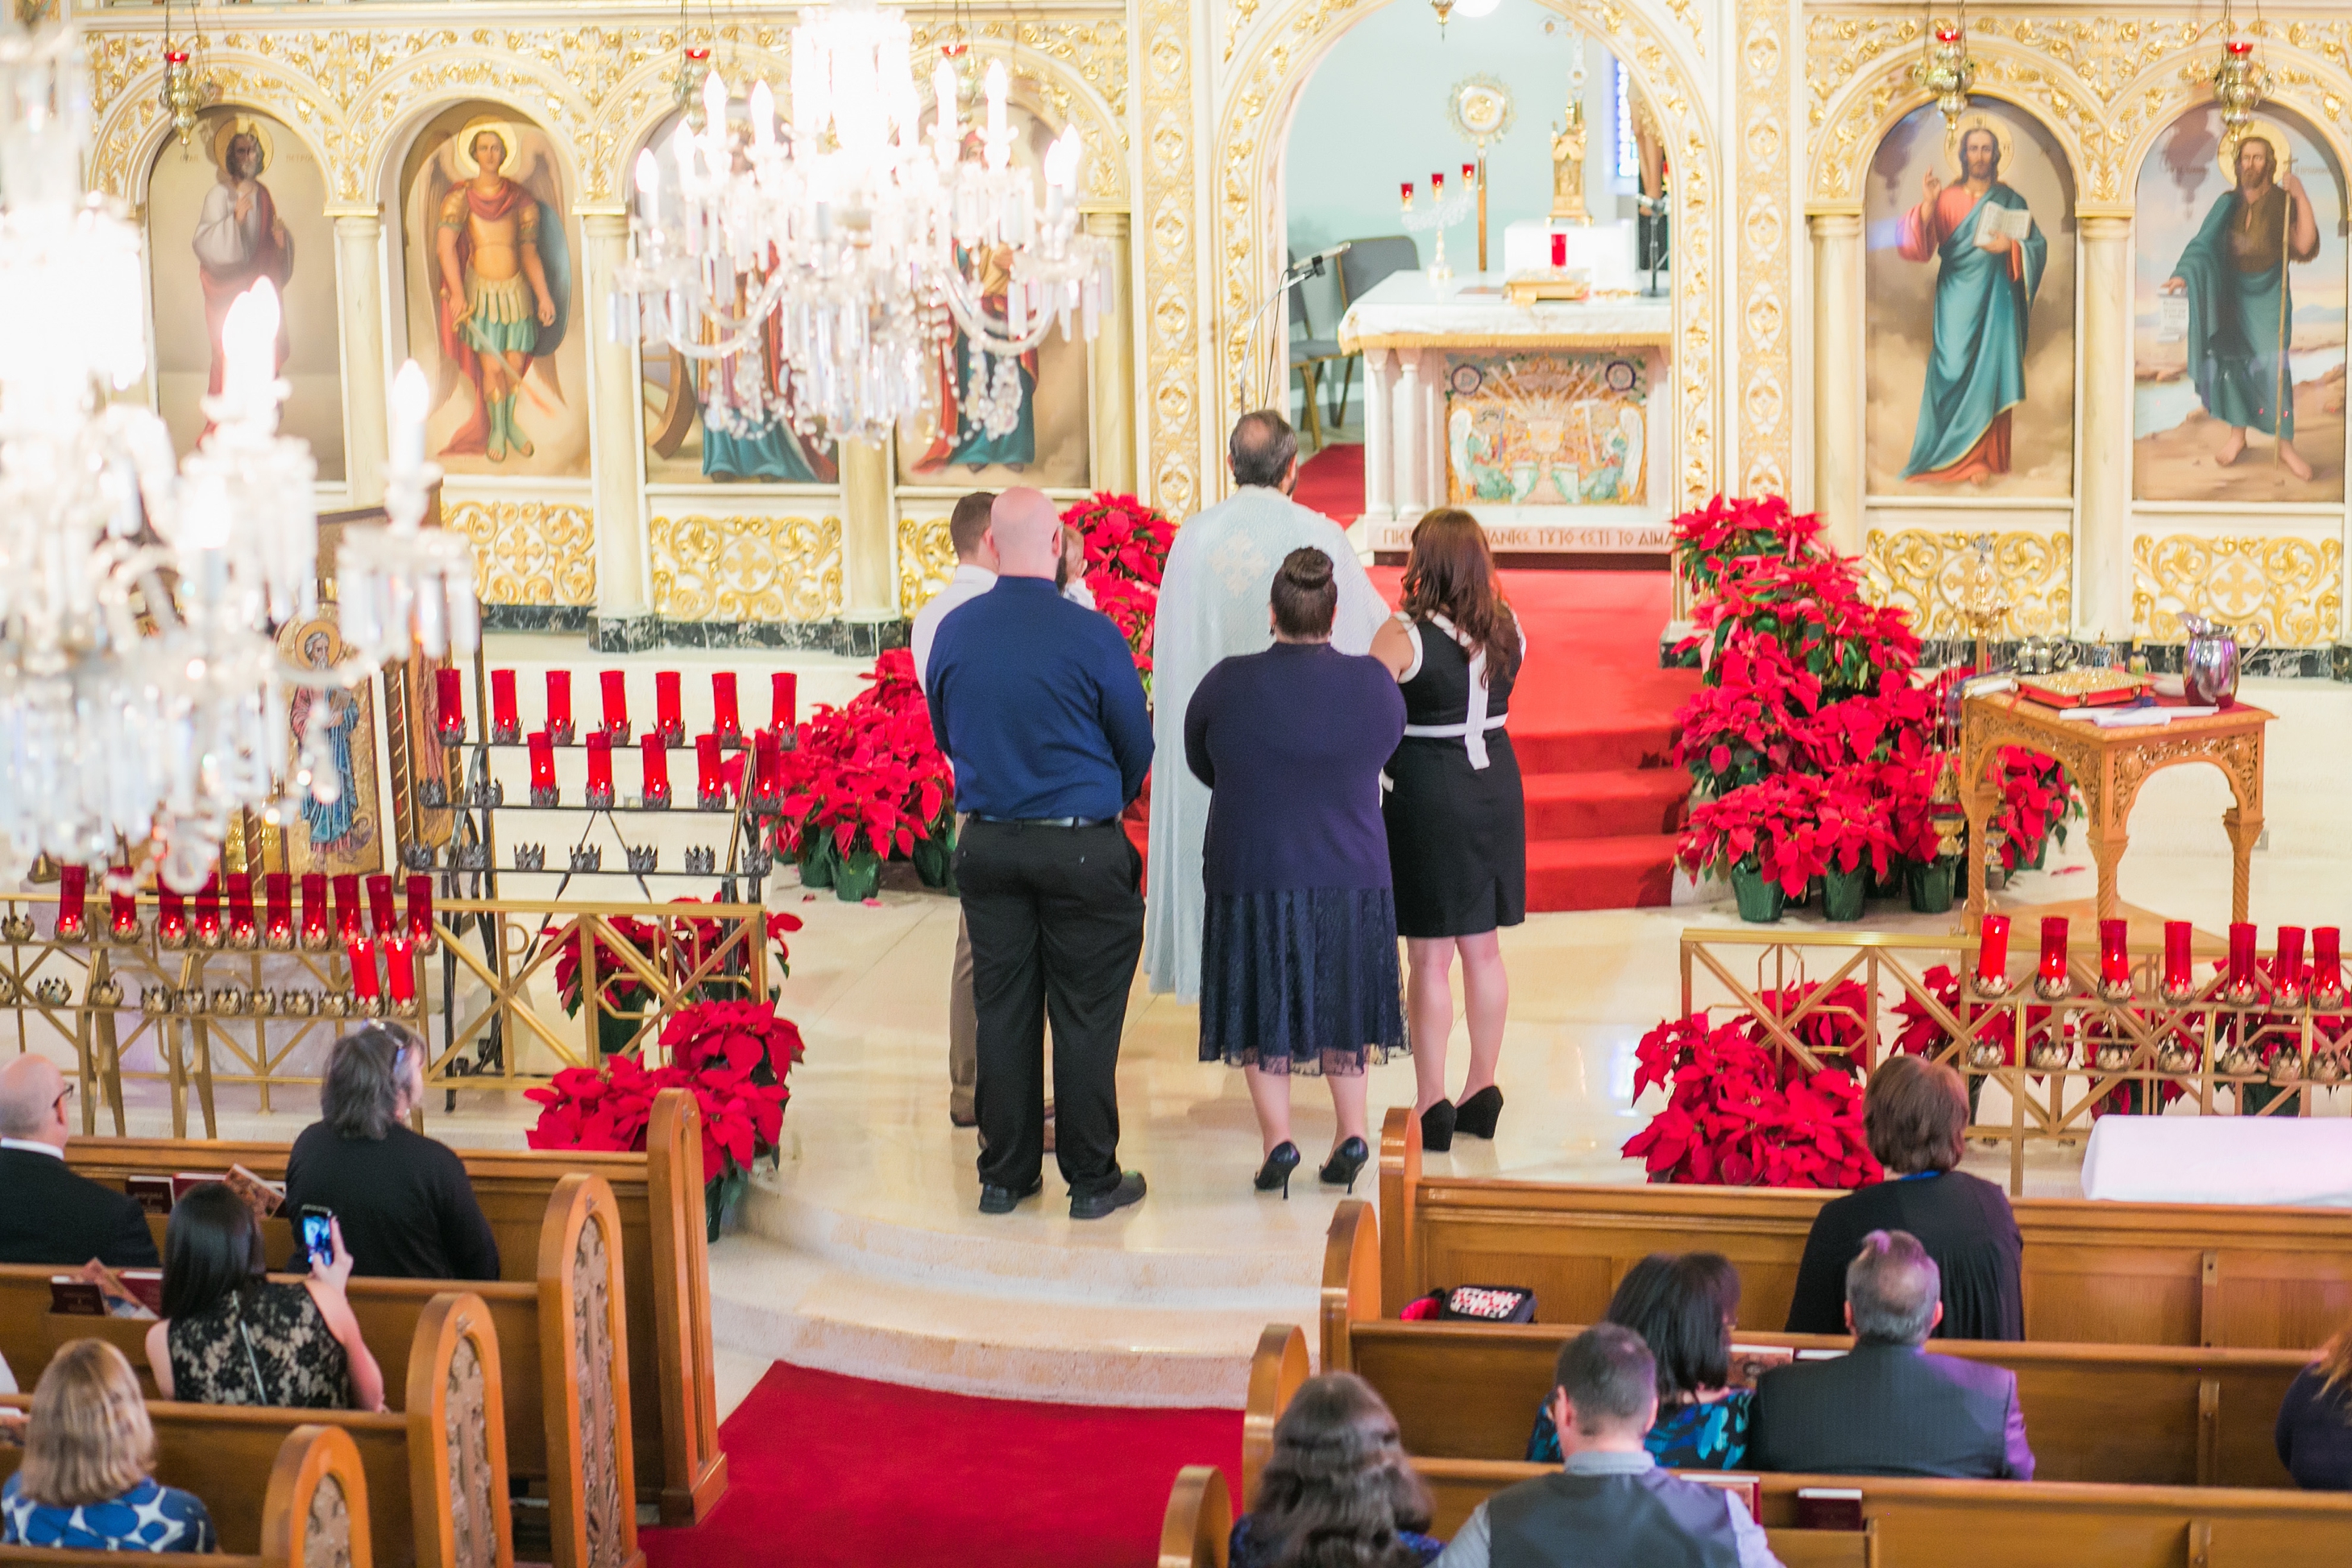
x=1611 y=1507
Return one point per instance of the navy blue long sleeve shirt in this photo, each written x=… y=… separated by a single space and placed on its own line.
x=1037 y=702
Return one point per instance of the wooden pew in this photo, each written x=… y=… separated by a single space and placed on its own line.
x=315 y=1487
x=2095 y=1273
x=435 y=1482
x=665 y=1259
x=2143 y=1414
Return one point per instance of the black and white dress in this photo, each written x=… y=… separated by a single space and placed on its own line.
x=1456 y=817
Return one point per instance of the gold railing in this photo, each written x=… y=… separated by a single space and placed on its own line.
x=1825 y=998
x=488 y=1003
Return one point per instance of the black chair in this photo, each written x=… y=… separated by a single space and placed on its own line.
x=1308 y=355
x=1363 y=267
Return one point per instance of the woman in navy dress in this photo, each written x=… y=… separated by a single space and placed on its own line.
x=1457 y=821
x=1298 y=954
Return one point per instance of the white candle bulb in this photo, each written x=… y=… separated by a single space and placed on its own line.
x=998 y=136
x=249 y=343
x=763 y=115
x=681 y=151
x=410 y=399
x=648 y=178
x=714 y=105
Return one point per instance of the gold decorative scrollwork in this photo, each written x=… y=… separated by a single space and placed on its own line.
x=599 y=1417
x=327 y=1539
x=472 y=1498
x=1171 y=283
x=2289 y=585
x=1767 y=355
x=746 y=568
x=1928 y=571
x=528 y=553
x=927 y=559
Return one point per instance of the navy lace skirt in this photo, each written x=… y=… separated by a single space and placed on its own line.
x=1301 y=981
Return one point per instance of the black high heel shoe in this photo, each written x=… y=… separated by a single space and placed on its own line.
x=1437 y=1127
x=1276 y=1171
x=1476 y=1116
x=1339 y=1170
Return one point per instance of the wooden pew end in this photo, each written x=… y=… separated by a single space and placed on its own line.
x=1276 y=1371
x=1200 y=1520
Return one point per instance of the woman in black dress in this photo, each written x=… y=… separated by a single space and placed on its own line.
x=1457 y=821
x=1916 y=1115
x=1298 y=955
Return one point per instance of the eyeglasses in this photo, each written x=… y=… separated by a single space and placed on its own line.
x=63 y=1095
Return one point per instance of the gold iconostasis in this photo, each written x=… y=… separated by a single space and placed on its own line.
x=2069 y=318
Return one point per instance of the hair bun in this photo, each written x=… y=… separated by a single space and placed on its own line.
x=1308 y=567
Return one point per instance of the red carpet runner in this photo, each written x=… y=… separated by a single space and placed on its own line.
x=827 y=1472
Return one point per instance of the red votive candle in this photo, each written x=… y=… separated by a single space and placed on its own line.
x=2053 y=948
x=2241 y=952
x=1404 y=192
x=506 y=718
x=783 y=699
x=726 y=716
x=767 y=766
x=559 y=705
x=364 y=983
x=710 y=785
x=243 y=929
x=600 y=769
x=1470 y=174
x=2114 y=952
x=171 y=914
x=278 y=915
x=346 y=906
x=208 y=911
x=669 y=717
x=420 y=908
x=655 y=748
x=125 y=907
x=2326 y=959
x=73 y=899
x=314 y=909
x=449 y=706
x=617 y=704
x=400 y=969
x=1992 y=950
x=2287 y=959
x=2179 y=969
x=1559 y=250
x=542 y=766
x=381 y=915
x=1437 y=182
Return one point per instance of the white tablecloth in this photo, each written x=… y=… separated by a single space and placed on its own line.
x=2221 y=1160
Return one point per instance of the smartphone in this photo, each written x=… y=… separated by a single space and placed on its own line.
x=318 y=1234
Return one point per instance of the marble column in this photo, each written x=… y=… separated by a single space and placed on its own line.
x=1410 y=432
x=1837 y=371
x=1379 y=441
x=869 y=557
x=1433 y=417
x=359 y=287
x=625 y=618
x=2102 y=553
x=1110 y=363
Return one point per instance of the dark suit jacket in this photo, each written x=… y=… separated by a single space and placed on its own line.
x=1890 y=1410
x=49 y=1214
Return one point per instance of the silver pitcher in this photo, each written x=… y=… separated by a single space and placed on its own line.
x=2209 y=668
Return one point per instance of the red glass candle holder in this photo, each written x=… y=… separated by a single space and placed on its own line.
x=383 y=914
x=542 y=769
x=2287 y=980
x=347 y=905
x=559 y=706
x=2179 y=968
x=600 y=772
x=767 y=772
x=1559 y=250
x=73 y=902
x=171 y=915
x=2326 y=976
x=506 y=717
x=278 y=910
x=2240 y=988
x=420 y=910
x=2051 y=979
x=314 y=909
x=669 y=714
x=125 y=904
x=654 y=749
x=1992 y=956
x=616 y=687
x=2115 y=960
x=367 y=986
x=243 y=930
x=1437 y=184
x=726 y=715
x=449 y=706
x=711 y=784
x=783 y=700
x=400 y=971
x=207 y=913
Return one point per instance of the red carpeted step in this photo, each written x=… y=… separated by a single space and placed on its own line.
x=1602 y=873
x=1629 y=802
x=1632 y=742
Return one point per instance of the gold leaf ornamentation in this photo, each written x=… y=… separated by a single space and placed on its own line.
x=746 y=568
x=1928 y=571
x=2289 y=585
x=528 y=553
x=927 y=559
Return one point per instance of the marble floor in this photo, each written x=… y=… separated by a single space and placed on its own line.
x=865 y=1253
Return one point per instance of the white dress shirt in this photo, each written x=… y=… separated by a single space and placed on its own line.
x=30 y=1146
x=969 y=582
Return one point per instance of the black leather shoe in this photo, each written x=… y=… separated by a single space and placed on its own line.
x=1476 y=1116
x=1276 y=1171
x=1094 y=1205
x=1437 y=1127
x=994 y=1199
x=1339 y=1170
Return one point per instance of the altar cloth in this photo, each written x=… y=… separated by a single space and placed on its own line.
x=1407 y=309
x=2253 y=1160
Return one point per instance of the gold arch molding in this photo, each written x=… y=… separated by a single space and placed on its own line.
x=1658 y=44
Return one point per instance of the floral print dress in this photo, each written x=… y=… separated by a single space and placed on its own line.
x=1693 y=1435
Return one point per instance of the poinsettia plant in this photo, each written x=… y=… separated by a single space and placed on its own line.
x=1735 y=1117
x=678 y=945
x=868 y=775
x=1749 y=719
x=1127 y=545
x=2036 y=798
x=1706 y=541
x=1771 y=827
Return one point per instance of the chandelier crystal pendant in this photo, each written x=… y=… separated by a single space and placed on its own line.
x=143 y=696
x=821 y=270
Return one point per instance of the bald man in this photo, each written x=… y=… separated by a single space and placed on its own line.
x=1038 y=704
x=47 y=1213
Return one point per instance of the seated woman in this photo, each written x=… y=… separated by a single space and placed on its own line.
x=1337 y=1488
x=404 y=1201
x=1685 y=1307
x=88 y=1481
x=2314 y=1420
x=231 y=1335
x=1916 y=1115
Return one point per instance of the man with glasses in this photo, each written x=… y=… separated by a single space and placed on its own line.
x=49 y=1214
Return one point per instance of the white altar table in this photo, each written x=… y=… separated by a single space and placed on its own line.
x=2262 y=1160
x=1567 y=402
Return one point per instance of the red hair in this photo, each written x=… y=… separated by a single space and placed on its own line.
x=1451 y=573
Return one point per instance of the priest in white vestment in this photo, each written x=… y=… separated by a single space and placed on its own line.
x=1215 y=600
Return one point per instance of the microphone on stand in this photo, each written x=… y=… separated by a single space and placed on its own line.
x=1312 y=266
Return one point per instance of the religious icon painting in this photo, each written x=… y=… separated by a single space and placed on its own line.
x=2238 y=307
x=344 y=835
x=1547 y=428
x=1969 y=315
x=243 y=201
x=492 y=295
x=1000 y=422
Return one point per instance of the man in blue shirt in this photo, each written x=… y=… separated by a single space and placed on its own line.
x=1037 y=702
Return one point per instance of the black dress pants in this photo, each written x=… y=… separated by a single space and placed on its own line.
x=1055 y=916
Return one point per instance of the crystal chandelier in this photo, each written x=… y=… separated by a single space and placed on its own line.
x=820 y=271
x=143 y=696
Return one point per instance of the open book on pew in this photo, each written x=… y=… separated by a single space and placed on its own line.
x=261 y=1195
x=97 y=1292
